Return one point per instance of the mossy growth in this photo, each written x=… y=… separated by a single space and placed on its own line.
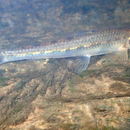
x=127 y=72
x=129 y=54
x=18 y=108
x=20 y=84
x=69 y=126
x=3 y=81
x=89 y=73
x=107 y=128
x=128 y=119
x=103 y=108
x=71 y=85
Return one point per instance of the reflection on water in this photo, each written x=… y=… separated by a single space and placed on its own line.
x=47 y=94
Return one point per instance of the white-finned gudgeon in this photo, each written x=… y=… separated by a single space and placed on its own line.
x=97 y=43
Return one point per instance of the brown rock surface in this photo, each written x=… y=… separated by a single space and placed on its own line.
x=41 y=95
x=50 y=97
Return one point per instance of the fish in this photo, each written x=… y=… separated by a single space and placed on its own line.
x=94 y=44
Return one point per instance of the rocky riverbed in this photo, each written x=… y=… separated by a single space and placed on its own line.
x=48 y=95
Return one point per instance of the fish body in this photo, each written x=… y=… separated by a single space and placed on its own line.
x=98 y=43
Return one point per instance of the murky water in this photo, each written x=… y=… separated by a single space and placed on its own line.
x=48 y=94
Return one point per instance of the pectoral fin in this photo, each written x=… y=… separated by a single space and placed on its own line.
x=79 y=64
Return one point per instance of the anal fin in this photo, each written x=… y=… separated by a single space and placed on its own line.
x=79 y=64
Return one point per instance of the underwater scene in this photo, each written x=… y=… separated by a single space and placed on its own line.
x=64 y=64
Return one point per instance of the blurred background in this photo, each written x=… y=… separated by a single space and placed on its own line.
x=26 y=23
